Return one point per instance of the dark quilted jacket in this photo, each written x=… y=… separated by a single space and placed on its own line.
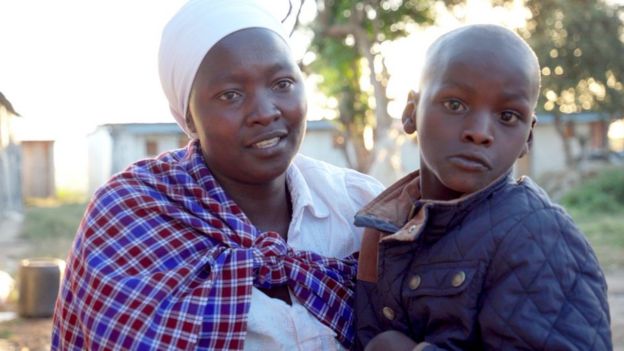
x=501 y=269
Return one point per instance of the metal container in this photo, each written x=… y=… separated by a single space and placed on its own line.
x=39 y=282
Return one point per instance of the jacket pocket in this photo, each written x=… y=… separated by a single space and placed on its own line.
x=440 y=279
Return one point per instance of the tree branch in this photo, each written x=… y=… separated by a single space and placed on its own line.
x=297 y=19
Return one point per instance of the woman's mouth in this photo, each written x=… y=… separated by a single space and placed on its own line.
x=265 y=144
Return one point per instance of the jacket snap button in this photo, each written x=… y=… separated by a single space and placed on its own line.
x=388 y=313
x=414 y=283
x=412 y=229
x=458 y=279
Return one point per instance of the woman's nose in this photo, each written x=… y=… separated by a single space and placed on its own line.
x=263 y=110
x=478 y=129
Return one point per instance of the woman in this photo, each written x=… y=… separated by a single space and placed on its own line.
x=235 y=242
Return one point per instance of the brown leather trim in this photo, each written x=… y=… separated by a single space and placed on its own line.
x=367 y=261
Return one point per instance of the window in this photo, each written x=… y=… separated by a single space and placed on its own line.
x=151 y=147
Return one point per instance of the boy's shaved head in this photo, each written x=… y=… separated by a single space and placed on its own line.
x=474 y=111
x=479 y=39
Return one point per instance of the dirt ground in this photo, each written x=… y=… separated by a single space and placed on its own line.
x=18 y=334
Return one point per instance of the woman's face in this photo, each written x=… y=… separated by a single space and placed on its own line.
x=247 y=106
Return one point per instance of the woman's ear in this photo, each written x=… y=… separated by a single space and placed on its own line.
x=190 y=125
x=529 y=143
x=409 y=112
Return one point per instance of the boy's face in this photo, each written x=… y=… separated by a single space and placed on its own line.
x=248 y=107
x=474 y=114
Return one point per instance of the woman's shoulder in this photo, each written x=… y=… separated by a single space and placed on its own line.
x=143 y=174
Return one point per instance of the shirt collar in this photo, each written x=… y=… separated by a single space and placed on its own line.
x=301 y=194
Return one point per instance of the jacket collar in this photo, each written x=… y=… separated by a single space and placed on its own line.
x=394 y=207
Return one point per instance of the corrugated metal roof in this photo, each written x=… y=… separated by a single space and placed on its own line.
x=7 y=104
x=583 y=117
x=144 y=128
x=171 y=128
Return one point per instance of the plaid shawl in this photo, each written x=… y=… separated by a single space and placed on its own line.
x=163 y=259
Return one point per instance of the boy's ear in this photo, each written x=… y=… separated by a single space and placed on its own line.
x=529 y=142
x=409 y=112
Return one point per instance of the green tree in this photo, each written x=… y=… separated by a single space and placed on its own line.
x=579 y=44
x=347 y=38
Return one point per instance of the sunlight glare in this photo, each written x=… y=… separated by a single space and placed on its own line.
x=616 y=130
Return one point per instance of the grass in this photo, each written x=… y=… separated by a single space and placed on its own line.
x=606 y=234
x=50 y=227
x=597 y=206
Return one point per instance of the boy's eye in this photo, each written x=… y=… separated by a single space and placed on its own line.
x=454 y=105
x=509 y=117
x=284 y=84
x=228 y=96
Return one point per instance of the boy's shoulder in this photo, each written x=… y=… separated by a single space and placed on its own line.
x=522 y=206
x=535 y=196
x=513 y=203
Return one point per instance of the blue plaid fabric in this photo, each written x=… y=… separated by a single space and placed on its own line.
x=163 y=259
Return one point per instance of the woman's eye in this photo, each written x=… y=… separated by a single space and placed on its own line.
x=228 y=96
x=509 y=117
x=284 y=84
x=454 y=105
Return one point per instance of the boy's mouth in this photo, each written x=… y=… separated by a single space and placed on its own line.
x=471 y=162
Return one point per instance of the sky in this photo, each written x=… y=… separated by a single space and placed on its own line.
x=70 y=65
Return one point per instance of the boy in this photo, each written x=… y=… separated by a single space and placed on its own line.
x=458 y=255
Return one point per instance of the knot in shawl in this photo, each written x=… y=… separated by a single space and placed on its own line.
x=165 y=260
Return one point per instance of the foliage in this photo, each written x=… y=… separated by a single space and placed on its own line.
x=604 y=232
x=597 y=206
x=579 y=45
x=346 y=44
x=50 y=230
x=52 y=221
x=580 y=48
x=601 y=194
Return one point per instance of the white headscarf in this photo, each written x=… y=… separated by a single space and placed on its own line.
x=192 y=31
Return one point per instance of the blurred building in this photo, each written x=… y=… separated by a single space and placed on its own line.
x=587 y=134
x=38 y=169
x=10 y=161
x=112 y=147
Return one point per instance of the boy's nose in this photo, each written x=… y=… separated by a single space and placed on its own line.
x=478 y=129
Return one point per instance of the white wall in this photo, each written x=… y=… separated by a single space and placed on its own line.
x=99 y=163
x=112 y=153
x=547 y=152
x=319 y=144
x=106 y=157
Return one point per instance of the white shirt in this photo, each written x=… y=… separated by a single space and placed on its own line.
x=324 y=199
